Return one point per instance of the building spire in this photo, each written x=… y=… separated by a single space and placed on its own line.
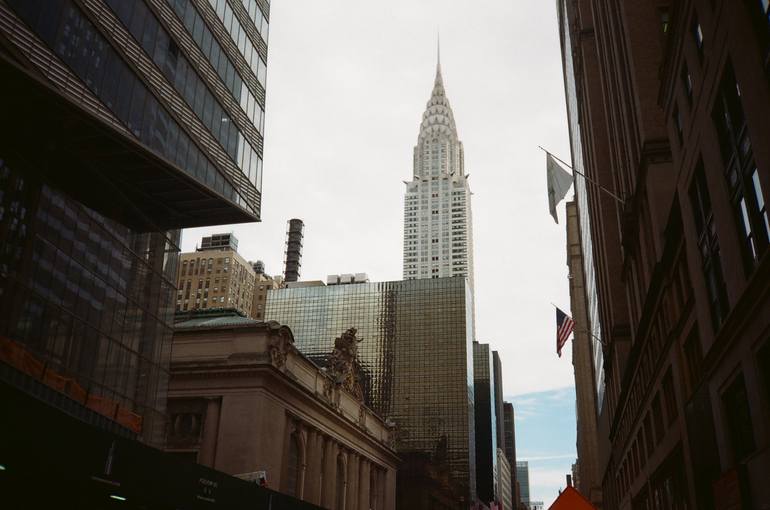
x=438 y=56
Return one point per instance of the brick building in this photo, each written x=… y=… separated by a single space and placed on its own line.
x=669 y=104
x=216 y=277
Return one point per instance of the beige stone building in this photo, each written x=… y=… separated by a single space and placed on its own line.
x=262 y=285
x=588 y=479
x=214 y=278
x=243 y=400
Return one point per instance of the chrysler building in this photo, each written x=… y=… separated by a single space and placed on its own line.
x=437 y=207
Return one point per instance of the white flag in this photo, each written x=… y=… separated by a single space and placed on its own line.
x=559 y=181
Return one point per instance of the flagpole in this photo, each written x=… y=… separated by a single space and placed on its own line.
x=584 y=176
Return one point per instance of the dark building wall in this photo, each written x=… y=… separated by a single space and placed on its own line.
x=120 y=140
x=509 y=424
x=486 y=420
x=674 y=101
x=417 y=357
x=497 y=367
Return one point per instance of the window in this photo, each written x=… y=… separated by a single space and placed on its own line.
x=738 y=416
x=697 y=32
x=687 y=83
x=740 y=170
x=677 y=118
x=657 y=418
x=708 y=245
x=669 y=394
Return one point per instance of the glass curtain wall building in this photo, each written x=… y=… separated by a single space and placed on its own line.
x=416 y=357
x=486 y=423
x=123 y=123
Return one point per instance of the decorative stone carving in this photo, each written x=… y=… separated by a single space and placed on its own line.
x=343 y=363
x=281 y=343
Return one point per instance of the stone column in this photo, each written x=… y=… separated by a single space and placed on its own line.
x=351 y=499
x=363 y=484
x=208 y=451
x=345 y=481
x=330 y=473
x=312 y=492
x=390 y=490
x=304 y=433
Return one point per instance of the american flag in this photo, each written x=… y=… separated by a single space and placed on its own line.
x=564 y=326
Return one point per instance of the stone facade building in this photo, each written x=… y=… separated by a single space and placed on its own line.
x=588 y=479
x=668 y=105
x=504 y=482
x=215 y=278
x=243 y=400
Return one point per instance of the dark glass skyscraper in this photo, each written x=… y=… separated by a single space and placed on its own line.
x=123 y=121
x=486 y=422
x=416 y=356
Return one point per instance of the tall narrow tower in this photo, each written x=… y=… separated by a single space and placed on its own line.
x=293 y=260
x=437 y=207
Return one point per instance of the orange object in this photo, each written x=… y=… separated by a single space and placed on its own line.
x=55 y=380
x=571 y=499
x=129 y=419
x=102 y=405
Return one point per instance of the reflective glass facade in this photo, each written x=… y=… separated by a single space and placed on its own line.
x=140 y=110
x=581 y=198
x=163 y=125
x=486 y=422
x=416 y=355
x=86 y=296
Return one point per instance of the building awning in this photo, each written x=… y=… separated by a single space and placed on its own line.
x=98 y=163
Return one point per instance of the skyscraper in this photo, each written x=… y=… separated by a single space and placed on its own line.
x=416 y=360
x=131 y=120
x=522 y=476
x=485 y=406
x=438 y=241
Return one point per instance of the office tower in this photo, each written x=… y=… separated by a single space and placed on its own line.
x=415 y=359
x=486 y=420
x=504 y=478
x=522 y=476
x=509 y=425
x=588 y=482
x=497 y=367
x=123 y=132
x=680 y=259
x=293 y=255
x=215 y=276
x=438 y=240
x=263 y=284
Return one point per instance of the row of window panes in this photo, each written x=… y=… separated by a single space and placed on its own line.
x=219 y=60
x=162 y=49
x=82 y=47
x=257 y=16
x=238 y=35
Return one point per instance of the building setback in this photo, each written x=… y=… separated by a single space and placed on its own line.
x=672 y=102
x=416 y=363
x=135 y=147
x=438 y=240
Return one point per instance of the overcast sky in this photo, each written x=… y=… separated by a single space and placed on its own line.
x=347 y=84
